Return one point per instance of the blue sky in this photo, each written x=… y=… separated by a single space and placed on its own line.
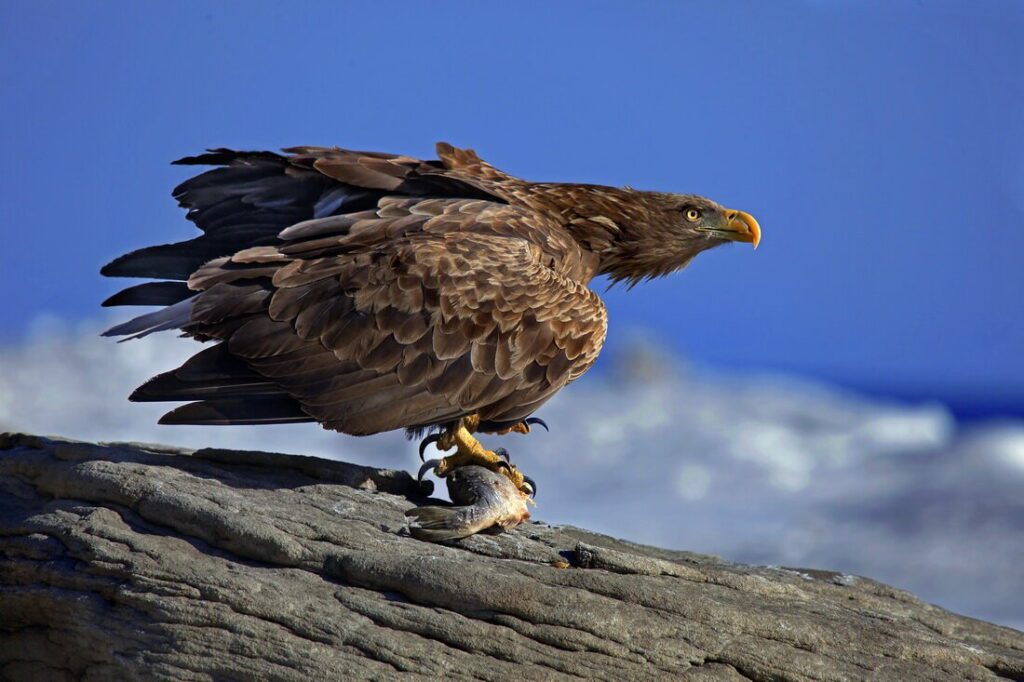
x=880 y=144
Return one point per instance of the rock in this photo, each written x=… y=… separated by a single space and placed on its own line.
x=128 y=561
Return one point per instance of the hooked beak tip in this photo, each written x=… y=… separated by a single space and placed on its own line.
x=744 y=227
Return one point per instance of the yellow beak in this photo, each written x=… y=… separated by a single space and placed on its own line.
x=742 y=227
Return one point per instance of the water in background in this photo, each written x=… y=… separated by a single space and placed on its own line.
x=755 y=468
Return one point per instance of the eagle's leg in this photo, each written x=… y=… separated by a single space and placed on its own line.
x=471 y=451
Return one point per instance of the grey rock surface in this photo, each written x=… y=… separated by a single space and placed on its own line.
x=127 y=561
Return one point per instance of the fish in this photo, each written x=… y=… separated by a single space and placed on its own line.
x=482 y=500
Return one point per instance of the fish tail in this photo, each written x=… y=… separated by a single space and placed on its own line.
x=437 y=524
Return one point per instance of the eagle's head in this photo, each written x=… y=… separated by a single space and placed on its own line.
x=661 y=233
x=704 y=223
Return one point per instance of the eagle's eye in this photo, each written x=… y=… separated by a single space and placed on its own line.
x=692 y=214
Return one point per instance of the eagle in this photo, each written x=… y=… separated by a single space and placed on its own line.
x=370 y=292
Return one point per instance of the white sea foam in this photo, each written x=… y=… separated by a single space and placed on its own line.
x=767 y=469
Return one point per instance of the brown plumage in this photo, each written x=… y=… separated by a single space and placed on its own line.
x=371 y=292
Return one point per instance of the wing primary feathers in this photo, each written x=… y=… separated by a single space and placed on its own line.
x=172 y=317
x=223 y=156
x=150 y=293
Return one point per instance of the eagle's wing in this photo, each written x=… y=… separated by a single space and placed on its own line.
x=252 y=196
x=414 y=313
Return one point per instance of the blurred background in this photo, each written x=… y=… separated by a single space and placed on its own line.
x=849 y=397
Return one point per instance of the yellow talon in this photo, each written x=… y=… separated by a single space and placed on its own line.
x=472 y=452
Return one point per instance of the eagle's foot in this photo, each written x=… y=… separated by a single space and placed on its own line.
x=470 y=452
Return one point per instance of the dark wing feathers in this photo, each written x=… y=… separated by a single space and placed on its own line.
x=232 y=300
x=174 y=316
x=230 y=206
x=151 y=293
x=226 y=157
x=335 y=301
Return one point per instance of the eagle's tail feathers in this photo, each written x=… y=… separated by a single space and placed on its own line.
x=212 y=373
x=238 y=411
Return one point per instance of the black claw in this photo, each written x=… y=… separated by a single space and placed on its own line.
x=533 y=486
x=537 y=420
x=427 y=466
x=504 y=465
x=503 y=453
x=432 y=438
